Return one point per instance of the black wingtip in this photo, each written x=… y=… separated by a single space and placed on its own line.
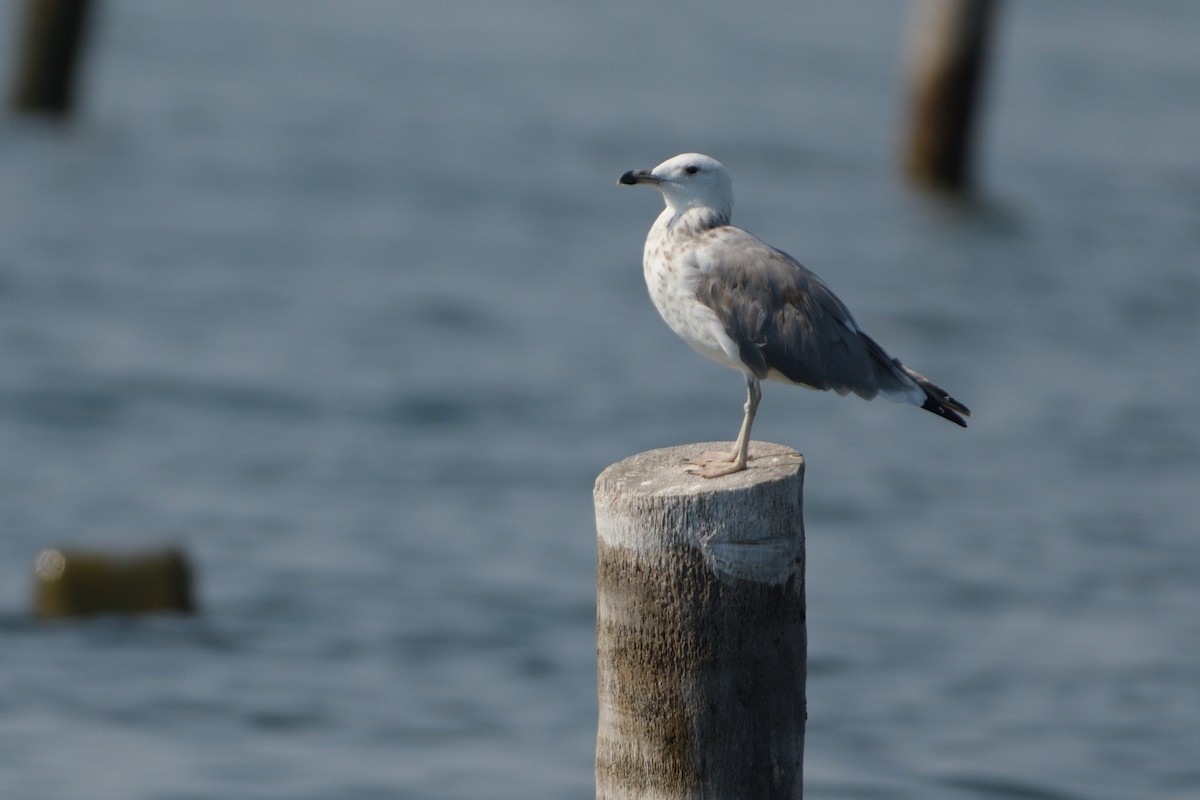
x=948 y=408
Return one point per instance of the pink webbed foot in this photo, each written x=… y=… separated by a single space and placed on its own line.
x=713 y=464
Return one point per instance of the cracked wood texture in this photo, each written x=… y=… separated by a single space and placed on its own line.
x=701 y=641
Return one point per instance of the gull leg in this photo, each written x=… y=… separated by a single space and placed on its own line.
x=714 y=465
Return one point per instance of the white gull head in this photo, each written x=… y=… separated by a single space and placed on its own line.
x=690 y=182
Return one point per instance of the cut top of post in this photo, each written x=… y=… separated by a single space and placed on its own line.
x=747 y=525
x=663 y=472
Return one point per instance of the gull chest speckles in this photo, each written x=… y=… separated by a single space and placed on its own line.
x=674 y=268
x=746 y=305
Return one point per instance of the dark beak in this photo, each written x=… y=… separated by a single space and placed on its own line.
x=636 y=176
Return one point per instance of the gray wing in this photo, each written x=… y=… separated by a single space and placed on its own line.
x=784 y=318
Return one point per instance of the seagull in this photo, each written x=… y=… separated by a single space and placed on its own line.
x=744 y=304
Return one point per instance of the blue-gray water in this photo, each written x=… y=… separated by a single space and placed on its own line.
x=343 y=298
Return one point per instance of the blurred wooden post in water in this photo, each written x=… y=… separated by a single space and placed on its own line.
x=947 y=55
x=701 y=639
x=48 y=53
x=70 y=583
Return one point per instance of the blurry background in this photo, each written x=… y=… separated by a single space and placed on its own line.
x=343 y=299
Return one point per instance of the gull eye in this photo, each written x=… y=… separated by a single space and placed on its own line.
x=691 y=169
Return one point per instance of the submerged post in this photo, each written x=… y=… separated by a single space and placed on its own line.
x=72 y=583
x=701 y=640
x=51 y=39
x=947 y=58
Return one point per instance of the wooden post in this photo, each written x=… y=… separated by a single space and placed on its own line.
x=51 y=39
x=70 y=583
x=946 y=63
x=701 y=640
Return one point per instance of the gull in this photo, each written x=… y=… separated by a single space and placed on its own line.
x=744 y=304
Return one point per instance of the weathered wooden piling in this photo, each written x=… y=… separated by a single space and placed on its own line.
x=947 y=57
x=701 y=639
x=51 y=38
x=82 y=582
